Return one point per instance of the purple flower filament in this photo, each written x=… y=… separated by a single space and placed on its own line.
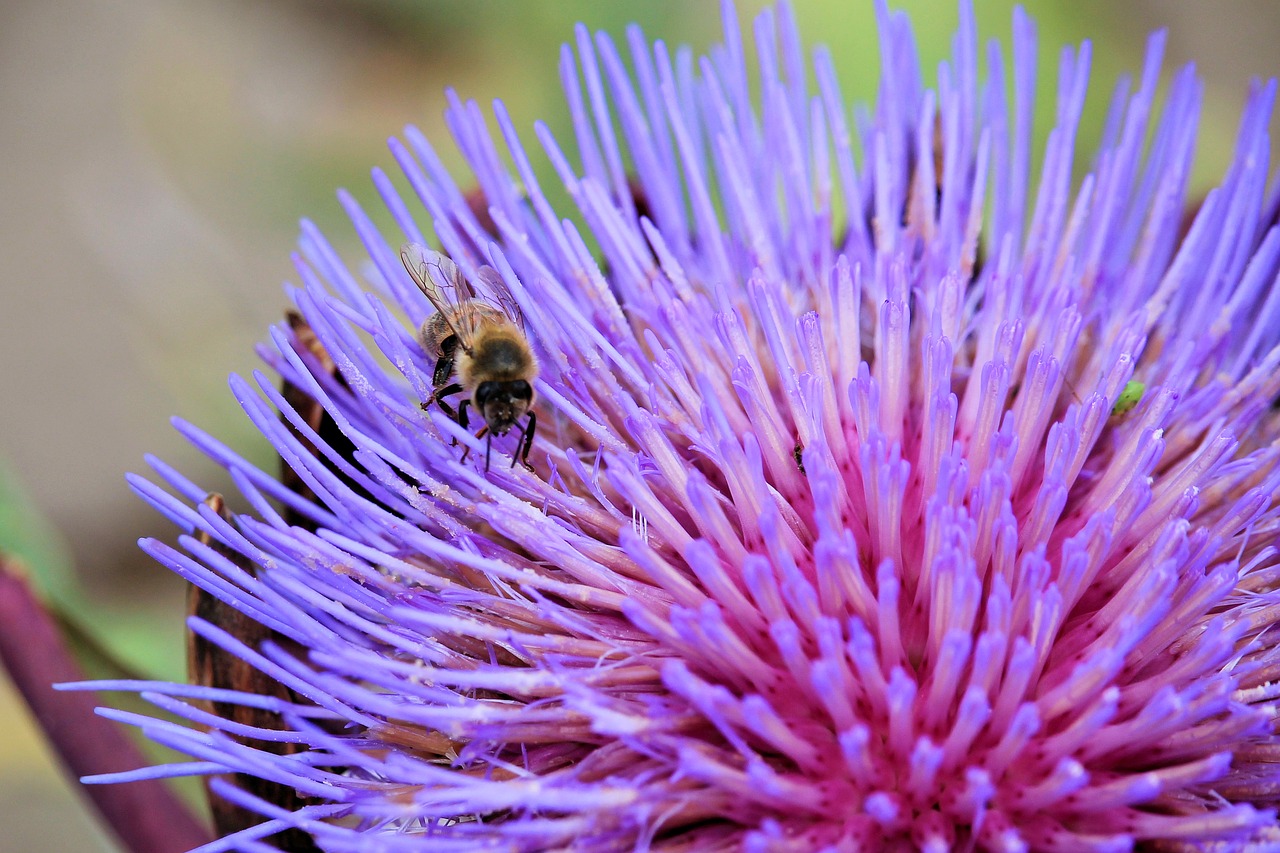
x=832 y=542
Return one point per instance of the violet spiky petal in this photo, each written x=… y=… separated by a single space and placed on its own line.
x=830 y=544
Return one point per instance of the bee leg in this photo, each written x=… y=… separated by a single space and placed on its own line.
x=459 y=417
x=484 y=430
x=438 y=395
x=444 y=364
x=448 y=410
x=526 y=442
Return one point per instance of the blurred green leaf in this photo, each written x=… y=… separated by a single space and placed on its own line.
x=123 y=637
x=28 y=537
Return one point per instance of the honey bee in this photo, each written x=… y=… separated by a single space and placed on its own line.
x=479 y=346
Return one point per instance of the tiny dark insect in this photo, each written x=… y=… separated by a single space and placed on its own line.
x=478 y=344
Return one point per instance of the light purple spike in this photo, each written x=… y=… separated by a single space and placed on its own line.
x=603 y=121
x=642 y=128
x=950 y=530
x=588 y=149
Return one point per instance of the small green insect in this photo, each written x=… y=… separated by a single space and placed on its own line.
x=1129 y=397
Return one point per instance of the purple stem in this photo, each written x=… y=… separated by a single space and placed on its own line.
x=147 y=817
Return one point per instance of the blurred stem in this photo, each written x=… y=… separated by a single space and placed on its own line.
x=87 y=648
x=146 y=816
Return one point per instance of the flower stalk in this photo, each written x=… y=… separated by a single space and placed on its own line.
x=146 y=817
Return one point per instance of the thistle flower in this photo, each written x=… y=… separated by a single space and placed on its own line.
x=893 y=485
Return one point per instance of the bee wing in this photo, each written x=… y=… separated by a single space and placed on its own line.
x=446 y=289
x=496 y=292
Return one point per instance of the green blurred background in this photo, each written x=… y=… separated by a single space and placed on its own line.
x=158 y=155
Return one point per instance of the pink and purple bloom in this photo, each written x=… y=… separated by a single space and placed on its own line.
x=848 y=527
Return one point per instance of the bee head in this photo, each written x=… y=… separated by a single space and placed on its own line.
x=502 y=403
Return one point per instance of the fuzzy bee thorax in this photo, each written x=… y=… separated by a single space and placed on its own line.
x=498 y=354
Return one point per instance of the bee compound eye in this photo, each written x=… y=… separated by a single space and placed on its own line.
x=485 y=392
x=520 y=390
